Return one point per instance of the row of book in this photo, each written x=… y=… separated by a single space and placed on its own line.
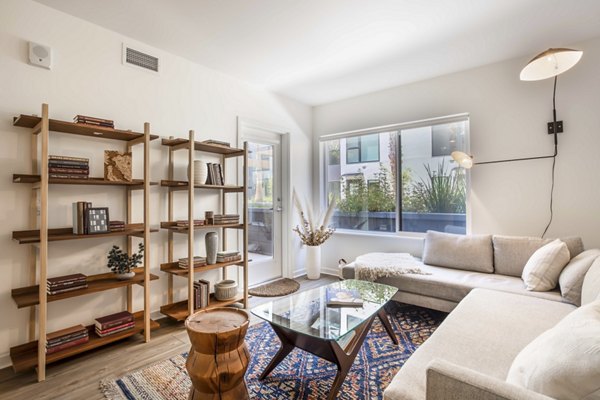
x=114 y=323
x=198 y=262
x=226 y=219
x=184 y=223
x=65 y=167
x=83 y=119
x=215 y=174
x=66 y=338
x=116 y=226
x=228 y=256
x=201 y=294
x=88 y=219
x=67 y=283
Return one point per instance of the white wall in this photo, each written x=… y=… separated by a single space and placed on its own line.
x=88 y=78
x=507 y=120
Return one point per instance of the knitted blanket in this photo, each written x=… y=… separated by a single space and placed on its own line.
x=372 y=266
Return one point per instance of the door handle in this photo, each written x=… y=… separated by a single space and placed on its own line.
x=279 y=209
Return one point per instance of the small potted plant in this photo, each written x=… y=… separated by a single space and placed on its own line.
x=121 y=264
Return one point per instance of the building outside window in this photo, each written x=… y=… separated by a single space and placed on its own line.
x=411 y=184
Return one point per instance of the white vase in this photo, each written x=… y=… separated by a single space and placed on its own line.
x=313 y=262
x=200 y=172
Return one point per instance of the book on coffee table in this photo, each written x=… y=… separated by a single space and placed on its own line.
x=338 y=297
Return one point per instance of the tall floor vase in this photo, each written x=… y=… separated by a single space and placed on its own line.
x=313 y=262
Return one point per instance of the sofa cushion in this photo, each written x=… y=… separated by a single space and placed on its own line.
x=563 y=362
x=545 y=265
x=590 y=291
x=511 y=253
x=475 y=337
x=455 y=284
x=470 y=252
x=571 y=278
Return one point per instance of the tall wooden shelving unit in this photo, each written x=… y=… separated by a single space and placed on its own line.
x=33 y=354
x=182 y=309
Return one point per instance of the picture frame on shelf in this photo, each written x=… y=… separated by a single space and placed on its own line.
x=97 y=220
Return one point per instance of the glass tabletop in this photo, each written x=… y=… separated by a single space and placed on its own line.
x=307 y=312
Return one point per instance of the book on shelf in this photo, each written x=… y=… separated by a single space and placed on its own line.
x=69 y=164
x=66 y=338
x=215 y=174
x=79 y=217
x=338 y=297
x=114 y=330
x=214 y=142
x=67 y=158
x=67 y=176
x=70 y=171
x=226 y=219
x=110 y=321
x=67 y=345
x=66 y=279
x=57 y=335
x=201 y=294
x=83 y=119
x=198 y=262
x=66 y=289
x=184 y=223
x=226 y=259
x=116 y=226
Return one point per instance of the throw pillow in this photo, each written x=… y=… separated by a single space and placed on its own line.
x=468 y=252
x=571 y=278
x=564 y=361
x=544 y=266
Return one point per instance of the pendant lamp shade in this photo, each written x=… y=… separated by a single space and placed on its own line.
x=463 y=159
x=550 y=63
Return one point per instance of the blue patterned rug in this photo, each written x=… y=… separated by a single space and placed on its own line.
x=301 y=375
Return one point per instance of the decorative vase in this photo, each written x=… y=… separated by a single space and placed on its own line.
x=313 y=262
x=125 y=276
x=200 y=172
x=226 y=290
x=212 y=243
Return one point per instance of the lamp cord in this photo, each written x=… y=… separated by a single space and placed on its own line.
x=553 y=157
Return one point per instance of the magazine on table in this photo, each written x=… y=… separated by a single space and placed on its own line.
x=337 y=297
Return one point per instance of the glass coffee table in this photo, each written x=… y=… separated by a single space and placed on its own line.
x=335 y=334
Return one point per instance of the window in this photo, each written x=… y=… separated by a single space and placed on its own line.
x=432 y=189
x=362 y=149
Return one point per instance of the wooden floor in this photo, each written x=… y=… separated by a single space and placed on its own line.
x=79 y=377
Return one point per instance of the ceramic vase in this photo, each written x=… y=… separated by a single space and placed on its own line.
x=125 y=276
x=200 y=172
x=313 y=262
x=212 y=243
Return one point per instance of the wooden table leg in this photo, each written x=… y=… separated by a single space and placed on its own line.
x=386 y=324
x=284 y=350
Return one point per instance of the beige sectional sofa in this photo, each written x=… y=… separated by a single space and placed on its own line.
x=492 y=317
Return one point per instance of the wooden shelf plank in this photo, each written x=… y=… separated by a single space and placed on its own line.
x=29 y=296
x=24 y=178
x=173 y=268
x=24 y=357
x=29 y=121
x=183 y=185
x=180 y=143
x=33 y=236
x=179 y=311
x=172 y=226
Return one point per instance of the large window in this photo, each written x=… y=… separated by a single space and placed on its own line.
x=415 y=186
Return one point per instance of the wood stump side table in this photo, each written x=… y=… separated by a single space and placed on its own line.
x=219 y=357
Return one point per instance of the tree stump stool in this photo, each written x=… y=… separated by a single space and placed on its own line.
x=219 y=357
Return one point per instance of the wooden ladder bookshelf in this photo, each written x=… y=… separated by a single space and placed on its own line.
x=33 y=354
x=180 y=310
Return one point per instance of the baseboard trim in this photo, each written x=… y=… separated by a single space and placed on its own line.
x=324 y=271
x=5 y=361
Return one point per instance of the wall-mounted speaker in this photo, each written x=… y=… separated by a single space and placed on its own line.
x=40 y=55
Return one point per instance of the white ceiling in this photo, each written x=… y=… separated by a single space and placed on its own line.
x=318 y=51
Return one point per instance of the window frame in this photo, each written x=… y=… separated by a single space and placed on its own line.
x=398 y=127
x=359 y=148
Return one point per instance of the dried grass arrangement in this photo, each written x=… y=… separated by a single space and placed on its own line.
x=311 y=232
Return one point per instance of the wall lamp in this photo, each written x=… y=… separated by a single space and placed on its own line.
x=547 y=64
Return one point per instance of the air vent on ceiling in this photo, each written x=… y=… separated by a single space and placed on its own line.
x=140 y=59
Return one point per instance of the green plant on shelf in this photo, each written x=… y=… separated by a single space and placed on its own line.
x=120 y=262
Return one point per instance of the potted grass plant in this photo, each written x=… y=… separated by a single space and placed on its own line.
x=313 y=233
x=122 y=264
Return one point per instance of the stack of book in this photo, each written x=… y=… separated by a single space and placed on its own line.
x=79 y=217
x=215 y=174
x=339 y=297
x=201 y=294
x=64 y=167
x=67 y=283
x=82 y=119
x=66 y=338
x=184 y=224
x=226 y=219
x=114 y=323
x=116 y=226
x=213 y=142
x=228 y=256
x=198 y=262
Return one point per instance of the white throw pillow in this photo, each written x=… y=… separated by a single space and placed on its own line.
x=543 y=268
x=564 y=361
x=571 y=277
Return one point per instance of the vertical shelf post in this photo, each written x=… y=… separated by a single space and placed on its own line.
x=170 y=233
x=191 y=223
x=33 y=224
x=245 y=215
x=146 y=232
x=224 y=211
x=43 y=305
x=129 y=218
